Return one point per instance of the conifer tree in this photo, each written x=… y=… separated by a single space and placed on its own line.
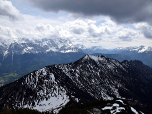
x=6 y=109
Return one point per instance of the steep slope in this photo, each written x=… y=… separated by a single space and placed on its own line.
x=91 y=77
x=111 y=76
x=42 y=90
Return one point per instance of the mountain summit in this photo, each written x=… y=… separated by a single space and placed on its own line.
x=91 y=77
x=23 y=45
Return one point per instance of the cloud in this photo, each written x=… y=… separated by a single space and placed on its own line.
x=147 y=33
x=127 y=34
x=47 y=31
x=144 y=29
x=77 y=27
x=104 y=32
x=7 y=9
x=122 y=11
x=6 y=33
x=78 y=30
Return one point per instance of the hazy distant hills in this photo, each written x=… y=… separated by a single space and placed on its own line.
x=127 y=86
x=22 y=56
x=119 y=57
x=93 y=49
x=141 y=53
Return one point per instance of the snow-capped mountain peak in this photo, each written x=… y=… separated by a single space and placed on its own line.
x=80 y=46
x=93 y=49
x=138 y=49
x=23 y=45
x=96 y=48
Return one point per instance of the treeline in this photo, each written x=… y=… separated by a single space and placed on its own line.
x=7 y=110
x=85 y=107
x=82 y=108
x=88 y=107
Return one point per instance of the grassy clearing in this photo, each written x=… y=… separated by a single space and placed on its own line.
x=6 y=75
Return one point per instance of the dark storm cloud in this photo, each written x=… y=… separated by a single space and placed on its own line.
x=121 y=11
x=126 y=38
x=77 y=30
x=147 y=33
x=93 y=32
x=5 y=13
x=145 y=30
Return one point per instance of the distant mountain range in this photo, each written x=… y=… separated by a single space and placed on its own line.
x=93 y=49
x=119 y=57
x=126 y=85
x=21 y=56
x=141 y=53
x=23 y=45
x=137 y=49
x=100 y=49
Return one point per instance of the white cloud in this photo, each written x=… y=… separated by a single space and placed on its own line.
x=127 y=34
x=101 y=31
x=7 y=9
x=85 y=32
x=47 y=31
x=6 y=33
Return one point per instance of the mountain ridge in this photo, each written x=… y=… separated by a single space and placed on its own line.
x=142 y=53
x=38 y=46
x=91 y=77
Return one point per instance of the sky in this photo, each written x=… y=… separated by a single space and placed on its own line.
x=106 y=23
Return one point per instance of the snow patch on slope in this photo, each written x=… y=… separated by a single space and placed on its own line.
x=143 y=50
x=27 y=50
x=92 y=76
x=134 y=110
x=24 y=45
x=50 y=95
x=139 y=49
x=114 y=109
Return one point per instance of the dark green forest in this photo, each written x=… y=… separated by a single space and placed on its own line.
x=12 y=69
